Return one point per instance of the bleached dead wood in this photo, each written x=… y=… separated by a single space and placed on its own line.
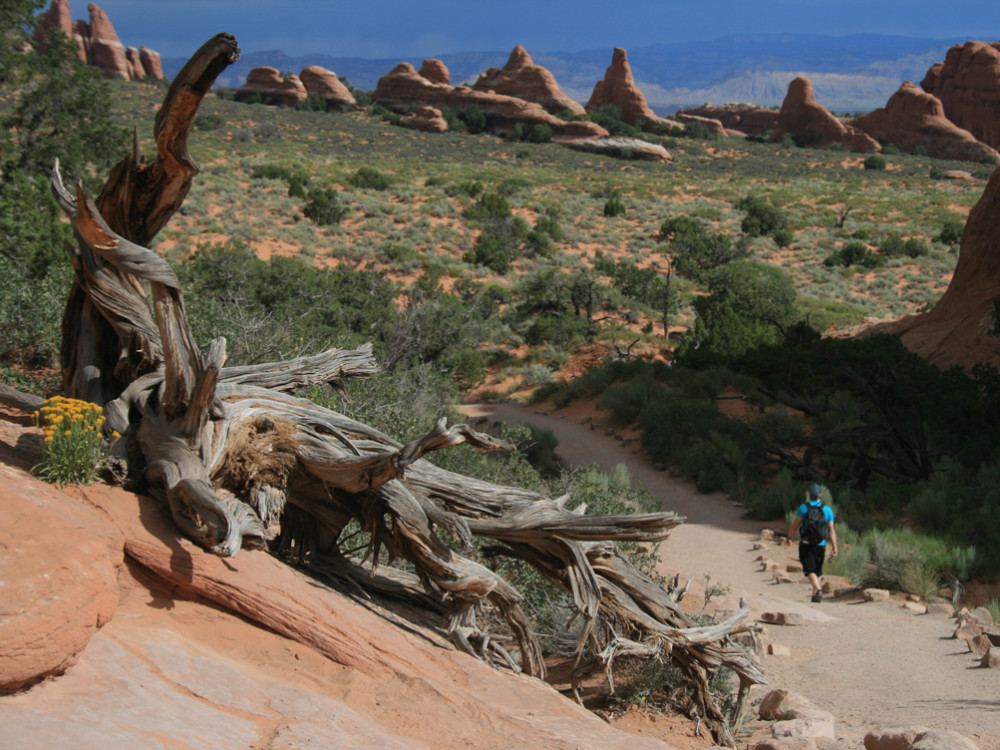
x=237 y=456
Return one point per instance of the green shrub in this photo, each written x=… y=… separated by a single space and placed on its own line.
x=761 y=217
x=369 y=178
x=890 y=148
x=783 y=237
x=614 y=206
x=468 y=188
x=875 y=162
x=920 y=151
x=951 y=232
x=541 y=133
x=323 y=207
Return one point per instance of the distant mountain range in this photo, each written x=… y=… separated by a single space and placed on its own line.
x=849 y=74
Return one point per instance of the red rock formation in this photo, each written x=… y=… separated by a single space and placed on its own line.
x=435 y=71
x=428 y=119
x=135 y=69
x=968 y=85
x=205 y=652
x=151 y=63
x=745 y=119
x=715 y=127
x=325 y=84
x=98 y=44
x=59 y=587
x=618 y=89
x=402 y=88
x=104 y=49
x=812 y=124
x=269 y=84
x=912 y=118
x=958 y=330
x=520 y=77
x=58 y=16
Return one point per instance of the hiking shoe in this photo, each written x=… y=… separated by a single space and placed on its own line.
x=818 y=596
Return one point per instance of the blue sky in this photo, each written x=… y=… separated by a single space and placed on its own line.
x=406 y=28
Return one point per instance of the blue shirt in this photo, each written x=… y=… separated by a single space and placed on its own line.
x=804 y=510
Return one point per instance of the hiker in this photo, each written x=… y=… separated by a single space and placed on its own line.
x=814 y=525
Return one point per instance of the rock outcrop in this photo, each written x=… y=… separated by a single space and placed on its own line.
x=243 y=652
x=272 y=87
x=328 y=87
x=151 y=63
x=403 y=87
x=618 y=89
x=97 y=43
x=521 y=78
x=435 y=71
x=746 y=120
x=812 y=124
x=58 y=16
x=59 y=587
x=959 y=329
x=622 y=148
x=912 y=118
x=968 y=85
x=104 y=49
x=428 y=119
x=713 y=126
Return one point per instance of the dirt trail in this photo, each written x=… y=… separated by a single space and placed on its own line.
x=871 y=665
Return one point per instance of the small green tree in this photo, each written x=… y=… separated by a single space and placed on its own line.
x=54 y=107
x=875 y=162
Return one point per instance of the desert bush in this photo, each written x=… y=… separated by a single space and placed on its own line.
x=920 y=151
x=853 y=253
x=614 y=206
x=541 y=133
x=783 y=237
x=31 y=313
x=761 y=217
x=890 y=149
x=875 y=162
x=323 y=207
x=369 y=178
x=951 y=232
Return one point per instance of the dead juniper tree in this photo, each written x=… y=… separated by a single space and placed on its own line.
x=236 y=455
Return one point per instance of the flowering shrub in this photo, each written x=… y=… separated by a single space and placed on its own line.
x=72 y=450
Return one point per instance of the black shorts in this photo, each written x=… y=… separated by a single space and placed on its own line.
x=811 y=556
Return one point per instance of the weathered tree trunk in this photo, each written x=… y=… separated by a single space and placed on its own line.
x=236 y=454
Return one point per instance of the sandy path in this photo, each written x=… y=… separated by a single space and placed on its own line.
x=870 y=664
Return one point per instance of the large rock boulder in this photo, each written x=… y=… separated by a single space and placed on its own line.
x=272 y=87
x=325 y=84
x=427 y=119
x=520 y=77
x=618 y=89
x=812 y=124
x=744 y=119
x=958 y=330
x=968 y=85
x=621 y=147
x=403 y=87
x=59 y=587
x=912 y=118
